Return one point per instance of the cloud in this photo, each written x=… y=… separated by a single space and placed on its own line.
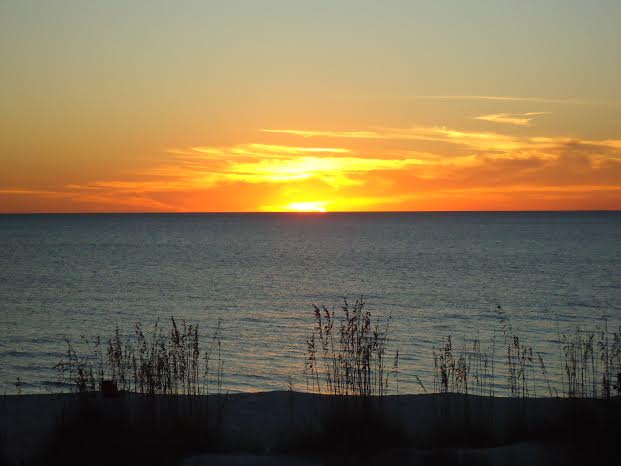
x=206 y=167
x=336 y=134
x=334 y=171
x=255 y=150
x=97 y=196
x=340 y=171
x=263 y=163
x=518 y=119
x=510 y=146
x=492 y=98
x=32 y=192
x=414 y=133
x=478 y=140
x=496 y=98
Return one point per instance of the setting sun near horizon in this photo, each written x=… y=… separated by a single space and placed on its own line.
x=317 y=206
x=309 y=106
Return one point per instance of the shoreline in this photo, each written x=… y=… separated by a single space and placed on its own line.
x=305 y=426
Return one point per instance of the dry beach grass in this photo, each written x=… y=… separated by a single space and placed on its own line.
x=170 y=403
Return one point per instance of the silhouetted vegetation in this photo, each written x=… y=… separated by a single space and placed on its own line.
x=351 y=430
x=167 y=362
x=590 y=365
x=349 y=356
x=152 y=431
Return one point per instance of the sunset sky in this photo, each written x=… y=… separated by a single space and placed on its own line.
x=139 y=106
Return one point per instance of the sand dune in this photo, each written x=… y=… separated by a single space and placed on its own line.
x=308 y=429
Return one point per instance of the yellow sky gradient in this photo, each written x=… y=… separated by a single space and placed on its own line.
x=318 y=106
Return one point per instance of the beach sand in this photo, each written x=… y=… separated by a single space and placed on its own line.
x=308 y=429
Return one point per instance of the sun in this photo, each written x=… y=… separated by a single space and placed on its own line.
x=313 y=206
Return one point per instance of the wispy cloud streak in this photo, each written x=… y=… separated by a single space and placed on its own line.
x=335 y=173
x=498 y=98
x=517 y=119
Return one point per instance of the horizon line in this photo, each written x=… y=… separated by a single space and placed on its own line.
x=314 y=213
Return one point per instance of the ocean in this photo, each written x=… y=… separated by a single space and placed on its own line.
x=435 y=274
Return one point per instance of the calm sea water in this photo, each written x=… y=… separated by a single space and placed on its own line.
x=436 y=273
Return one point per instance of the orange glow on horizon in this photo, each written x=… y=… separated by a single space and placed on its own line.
x=219 y=107
x=396 y=169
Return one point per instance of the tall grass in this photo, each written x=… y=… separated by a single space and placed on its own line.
x=165 y=362
x=348 y=353
x=460 y=370
x=349 y=356
x=610 y=357
x=590 y=365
